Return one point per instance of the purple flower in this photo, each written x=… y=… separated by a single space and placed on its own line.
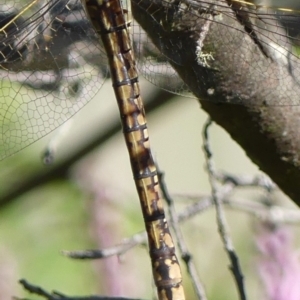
x=278 y=265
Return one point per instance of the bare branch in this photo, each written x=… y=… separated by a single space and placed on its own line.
x=58 y=296
x=261 y=211
x=221 y=219
x=243 y=70
x=185 y=254
x=137 y=239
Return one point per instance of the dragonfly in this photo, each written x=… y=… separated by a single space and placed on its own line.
x=110 y=25
x=44 y=84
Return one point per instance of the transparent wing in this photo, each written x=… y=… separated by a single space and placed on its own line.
x=51 y=65
x=274 y=26
x=154 y=65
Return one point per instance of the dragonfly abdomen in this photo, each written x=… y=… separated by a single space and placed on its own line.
x=108 y=19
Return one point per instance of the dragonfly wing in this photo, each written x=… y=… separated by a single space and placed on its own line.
x=51 y=66
x=154 y=65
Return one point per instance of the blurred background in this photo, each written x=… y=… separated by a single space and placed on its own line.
x=95 y=206
x=91 y=203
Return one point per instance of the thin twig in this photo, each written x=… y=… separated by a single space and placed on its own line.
x=203 y=203
x=221 y=220
x=185 y=254
x=137 y=239
x=259 y=210
x=58 y=296
x=260 y=180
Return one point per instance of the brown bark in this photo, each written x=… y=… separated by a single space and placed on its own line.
x=237 y=61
